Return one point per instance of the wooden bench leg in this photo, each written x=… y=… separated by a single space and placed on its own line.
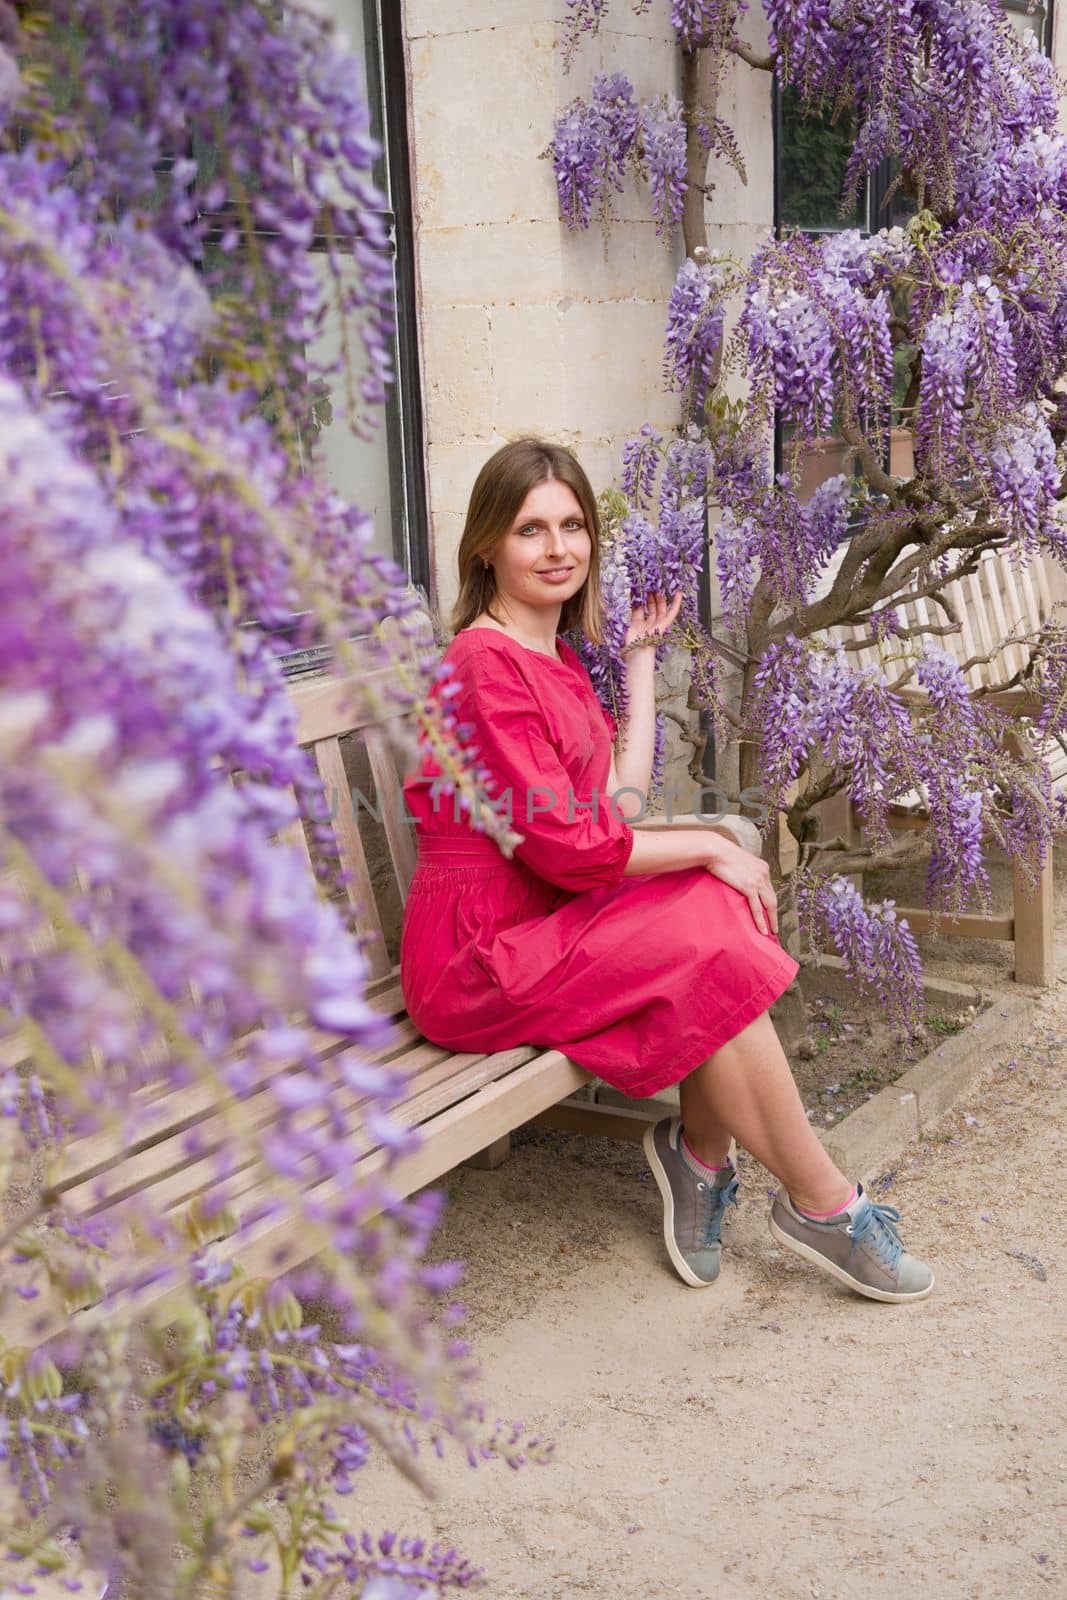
x=493 y=1156
x=837 y=817
x=1034 y=958
x=1034 y=946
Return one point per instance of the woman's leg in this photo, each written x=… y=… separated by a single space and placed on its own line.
x=747 y=1090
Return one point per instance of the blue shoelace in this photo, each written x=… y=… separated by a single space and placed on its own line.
x=877 y=1225
x=716 y=1199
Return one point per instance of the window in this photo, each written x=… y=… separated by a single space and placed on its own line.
x=1031 y=19
x=380 y=473
x=383 y=475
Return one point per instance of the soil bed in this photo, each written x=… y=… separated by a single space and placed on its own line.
x=857 y=1051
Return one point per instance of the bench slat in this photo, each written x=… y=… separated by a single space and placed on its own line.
x=399 y=834
x=167 y=1110
x=326 y=708
x=359 y=889
x=458 y=1079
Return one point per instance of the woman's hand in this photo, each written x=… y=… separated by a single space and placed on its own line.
x=751 y=875
x=651 y=623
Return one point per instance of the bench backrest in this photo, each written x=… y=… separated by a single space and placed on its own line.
x=996 y=602
x=333 y=714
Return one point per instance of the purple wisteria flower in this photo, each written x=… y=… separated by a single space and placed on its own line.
x=165 y=539
x=663 y=160
x=695 y=316
x=816 y=318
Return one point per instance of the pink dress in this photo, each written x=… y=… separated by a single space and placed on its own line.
x=637 y=979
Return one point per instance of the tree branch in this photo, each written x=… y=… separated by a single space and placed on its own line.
x=751 y=57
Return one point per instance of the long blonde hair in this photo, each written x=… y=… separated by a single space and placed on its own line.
x=496 y=500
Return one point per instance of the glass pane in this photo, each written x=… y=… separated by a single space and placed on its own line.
x=813 y=156
x=365 y=472
x=1026 y=21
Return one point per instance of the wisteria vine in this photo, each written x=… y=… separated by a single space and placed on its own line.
x=951 y=331
x=165 y=171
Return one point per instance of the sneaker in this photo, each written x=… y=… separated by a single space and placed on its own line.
x=693 y=1209
x=860 y=1247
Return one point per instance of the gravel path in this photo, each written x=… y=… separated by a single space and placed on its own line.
x=774 y=1436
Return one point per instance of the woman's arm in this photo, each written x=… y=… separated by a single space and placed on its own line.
x=631 y=766
x=674 y=849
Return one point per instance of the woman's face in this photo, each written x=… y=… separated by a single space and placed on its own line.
x=544 y=557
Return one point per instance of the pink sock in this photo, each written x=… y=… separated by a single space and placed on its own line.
x=821 y=1216
x=687 y=1149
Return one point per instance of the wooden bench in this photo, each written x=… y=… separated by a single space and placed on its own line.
x=994 y=604
x=465 y=1105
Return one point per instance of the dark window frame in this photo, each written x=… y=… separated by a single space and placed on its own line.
x=385 y=26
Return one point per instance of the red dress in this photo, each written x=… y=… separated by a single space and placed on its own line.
x=637 y=979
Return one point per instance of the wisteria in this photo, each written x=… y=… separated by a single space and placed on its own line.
x=663 y=159
x=700 y=23
x=695 y=317
x=876 y=945
x=949 y=89
x=816 y=318
x=167 y=535
x=967 y=360
x=597 y=141
x=950 y=332
x=655 y=535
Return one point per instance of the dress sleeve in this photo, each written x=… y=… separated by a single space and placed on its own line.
x=575 y=841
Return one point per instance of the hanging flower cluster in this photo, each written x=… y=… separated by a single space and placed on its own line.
x=770 y=533
x=655 y=536
x=598 y=140
x=705 y=23
x=816 y=319
x=876 y=945
x=948 y=87
x=164 y=539
x=696 y=313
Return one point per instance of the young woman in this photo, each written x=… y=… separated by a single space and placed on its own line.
x=648 y=957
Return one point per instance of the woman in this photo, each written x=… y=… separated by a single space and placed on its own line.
x=648 y=957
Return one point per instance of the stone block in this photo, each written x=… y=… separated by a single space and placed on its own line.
x=491 y=263
x=452 y=469
x=745 y=105
x=445 y=531
x=867 y=1142
x=648 y=56
x=484 y=107
x=531 y=370
x=626 y=260
x=457 y=375
x=439 y=18
x=614 y=360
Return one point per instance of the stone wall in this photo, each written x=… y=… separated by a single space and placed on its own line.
x=525 y=327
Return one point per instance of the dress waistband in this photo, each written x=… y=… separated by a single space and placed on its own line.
x=435 y=850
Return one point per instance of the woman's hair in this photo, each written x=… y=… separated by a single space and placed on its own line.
x=496 y=500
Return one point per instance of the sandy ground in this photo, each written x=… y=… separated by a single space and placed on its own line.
x=773 y=1435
